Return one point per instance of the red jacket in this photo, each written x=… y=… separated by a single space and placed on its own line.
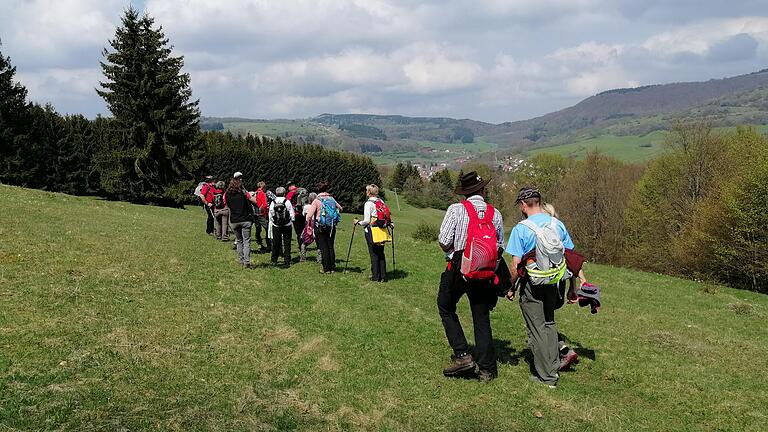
x=261 y=199
x=207 y=192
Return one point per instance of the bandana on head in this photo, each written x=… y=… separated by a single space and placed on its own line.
x=527 y=193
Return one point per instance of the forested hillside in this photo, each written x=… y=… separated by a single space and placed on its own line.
x=631 y=112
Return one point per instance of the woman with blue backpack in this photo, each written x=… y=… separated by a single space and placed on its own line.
x=326 y=213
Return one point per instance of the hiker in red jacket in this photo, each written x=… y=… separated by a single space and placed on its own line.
x=206 y=198
x=261 y=217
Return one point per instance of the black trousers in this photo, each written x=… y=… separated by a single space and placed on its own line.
x=259 y=223
x=298 y=227
x=209 y=224
x=378 y=260
x=482 y=300
x=281 y=243
x=325 y=238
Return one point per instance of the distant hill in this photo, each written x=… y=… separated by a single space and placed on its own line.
x=643 y=107
x=623 y=112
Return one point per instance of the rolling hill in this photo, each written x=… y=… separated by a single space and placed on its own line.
x=629 y=112
x=116 y=316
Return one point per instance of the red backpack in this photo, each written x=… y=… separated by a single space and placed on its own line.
x=481 y=252
x=383 y=216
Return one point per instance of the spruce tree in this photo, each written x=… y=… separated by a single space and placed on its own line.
x=155 y=139
x=14 y=123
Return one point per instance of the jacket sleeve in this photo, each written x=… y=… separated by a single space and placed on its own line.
x=312 y=210
x=498 y=222
x=367 y=213
x=204 y=193
x=448 y=227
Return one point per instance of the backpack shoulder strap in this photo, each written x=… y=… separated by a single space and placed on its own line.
x=471 y=212
x=488 y=217
x=530 y=225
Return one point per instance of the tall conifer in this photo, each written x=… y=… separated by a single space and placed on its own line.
x=14 y=122
x=155 y=139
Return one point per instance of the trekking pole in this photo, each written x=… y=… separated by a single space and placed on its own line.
x=346 y=264
x=392 y=230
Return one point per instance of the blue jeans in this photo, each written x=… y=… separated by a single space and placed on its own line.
x=243 y=235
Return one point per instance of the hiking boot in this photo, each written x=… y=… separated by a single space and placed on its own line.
x=567 y=360
x=485 y=376
x=459 y=364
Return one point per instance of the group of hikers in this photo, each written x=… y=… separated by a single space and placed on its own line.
x=312 y=216
x=543 y=261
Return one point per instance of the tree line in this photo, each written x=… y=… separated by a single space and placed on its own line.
x=151 y=149
x=698 y=211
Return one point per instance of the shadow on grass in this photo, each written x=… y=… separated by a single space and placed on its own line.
x=349 y=269
x=507 y=354
x=580 y=349
x=397 y=274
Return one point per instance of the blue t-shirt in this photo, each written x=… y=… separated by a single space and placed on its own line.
x=523 y=240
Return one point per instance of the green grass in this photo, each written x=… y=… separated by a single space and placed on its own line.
x=122 y=317
x=633 y=149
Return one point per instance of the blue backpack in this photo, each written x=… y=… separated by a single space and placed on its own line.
x=329 y=213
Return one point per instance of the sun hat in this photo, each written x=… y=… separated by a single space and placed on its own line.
x=470 y=183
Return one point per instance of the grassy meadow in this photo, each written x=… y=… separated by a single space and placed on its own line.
x=633 y=149
x=122 y=317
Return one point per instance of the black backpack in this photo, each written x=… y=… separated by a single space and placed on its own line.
x=282 y=217
x=218 y=200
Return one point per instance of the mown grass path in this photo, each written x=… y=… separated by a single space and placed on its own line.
x=123 y=317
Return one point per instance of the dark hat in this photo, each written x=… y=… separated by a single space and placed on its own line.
x=527 y=193
x=470 y=183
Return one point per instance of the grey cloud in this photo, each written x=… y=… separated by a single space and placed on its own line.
x=495 y=60
x=735 y=48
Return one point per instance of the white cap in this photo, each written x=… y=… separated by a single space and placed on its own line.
x=237 y=175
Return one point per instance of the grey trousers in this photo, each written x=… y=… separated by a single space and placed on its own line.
x=243 y=235
x=538 y=306
x=221 y=224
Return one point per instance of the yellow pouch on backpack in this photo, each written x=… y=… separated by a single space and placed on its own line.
x=380 y=236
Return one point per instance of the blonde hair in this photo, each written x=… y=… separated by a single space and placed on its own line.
x=550 y=210
x=372 y=190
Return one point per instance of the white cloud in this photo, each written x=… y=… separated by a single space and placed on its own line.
x=700 y=37
x=493 y=60
x=48 y=31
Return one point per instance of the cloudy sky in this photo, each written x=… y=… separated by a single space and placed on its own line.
x=492 y=60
